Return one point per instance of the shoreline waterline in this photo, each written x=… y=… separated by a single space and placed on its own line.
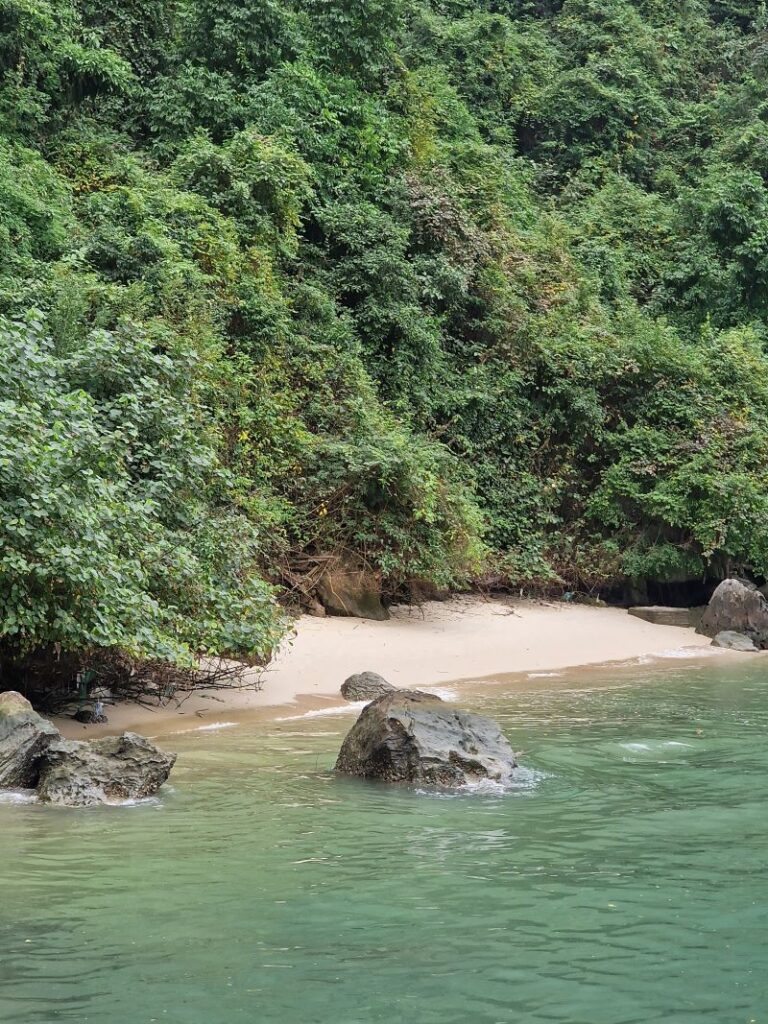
x=460 y=646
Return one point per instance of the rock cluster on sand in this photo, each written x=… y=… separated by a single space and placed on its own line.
x=736 y=607
x=408 y=736
x=76 y=773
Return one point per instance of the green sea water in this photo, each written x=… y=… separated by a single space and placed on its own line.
x=623 y=882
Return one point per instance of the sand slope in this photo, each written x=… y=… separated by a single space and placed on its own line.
x=465 y=638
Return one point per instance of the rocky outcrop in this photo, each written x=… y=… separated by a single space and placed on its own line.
x=661 y=615
x=348 y=589
x=365 y=686
x=24 y=740
x=410 y=737
x=81 y=773
x=734 y=641
x=737 y=607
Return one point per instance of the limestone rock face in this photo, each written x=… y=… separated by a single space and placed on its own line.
x=410 y=737
x=365 y=686
x=24 y=739
x=734 y=641
x=348 y=589
x=661 y=615
x=81 y=773
x=737 y=607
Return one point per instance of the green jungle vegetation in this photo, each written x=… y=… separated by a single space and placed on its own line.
x=474 y=290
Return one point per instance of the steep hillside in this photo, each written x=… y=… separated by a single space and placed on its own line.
x=469 y=290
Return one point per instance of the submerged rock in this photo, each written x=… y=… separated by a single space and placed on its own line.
x=24 y=739
x=734 y=641
x=365 y=686
x=408 y=736
x=81 y=773
x=737 y=607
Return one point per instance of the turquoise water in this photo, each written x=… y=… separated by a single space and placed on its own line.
x=626 y=882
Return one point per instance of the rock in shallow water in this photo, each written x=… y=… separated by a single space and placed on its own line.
x=737 y=607
x=24 y=739
x=407 y=737
x=81 y=773
x=734 y=641
x=365 y=686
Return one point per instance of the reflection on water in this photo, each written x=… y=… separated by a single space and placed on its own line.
x=624 y=882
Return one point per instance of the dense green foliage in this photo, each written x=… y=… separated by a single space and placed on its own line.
x=467 y=288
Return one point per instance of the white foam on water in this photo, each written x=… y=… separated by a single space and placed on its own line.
x=523 y=780
x=655 y=747
x=340 y=709
x=144 y=801
x=443 y=692
x=688 y=652
x=210 y=727
x=544 y=675
x=22 y=796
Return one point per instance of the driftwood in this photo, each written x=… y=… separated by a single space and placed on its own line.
x=56 y=682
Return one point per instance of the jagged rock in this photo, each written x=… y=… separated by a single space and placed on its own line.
x=365 y=686
x=407 y=736
x=347 y=589
x=737 y=607
x=734 y=641
x=24 y=739
x=80 y=773
x=661 y=615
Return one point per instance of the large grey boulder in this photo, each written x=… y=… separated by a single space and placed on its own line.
x=80 y=773
x=365 y=686
x=24 y=739
x=739 y=608
x=734 y=641
x=406 y=736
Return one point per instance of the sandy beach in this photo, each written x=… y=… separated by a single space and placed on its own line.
x=467 y=638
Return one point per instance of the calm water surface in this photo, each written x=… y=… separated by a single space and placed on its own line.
x=625 y=882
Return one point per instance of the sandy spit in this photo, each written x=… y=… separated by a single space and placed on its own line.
x=433 y=645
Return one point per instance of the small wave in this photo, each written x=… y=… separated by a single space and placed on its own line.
x=544 y=675
x=18 y=796
x=443 y=692
x=522 y=780
x=688 y=652
x=210 y=727
x=653 y=748
x=144 y=801
x=340 y=709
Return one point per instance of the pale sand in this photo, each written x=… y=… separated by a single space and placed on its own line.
x=436 y=644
